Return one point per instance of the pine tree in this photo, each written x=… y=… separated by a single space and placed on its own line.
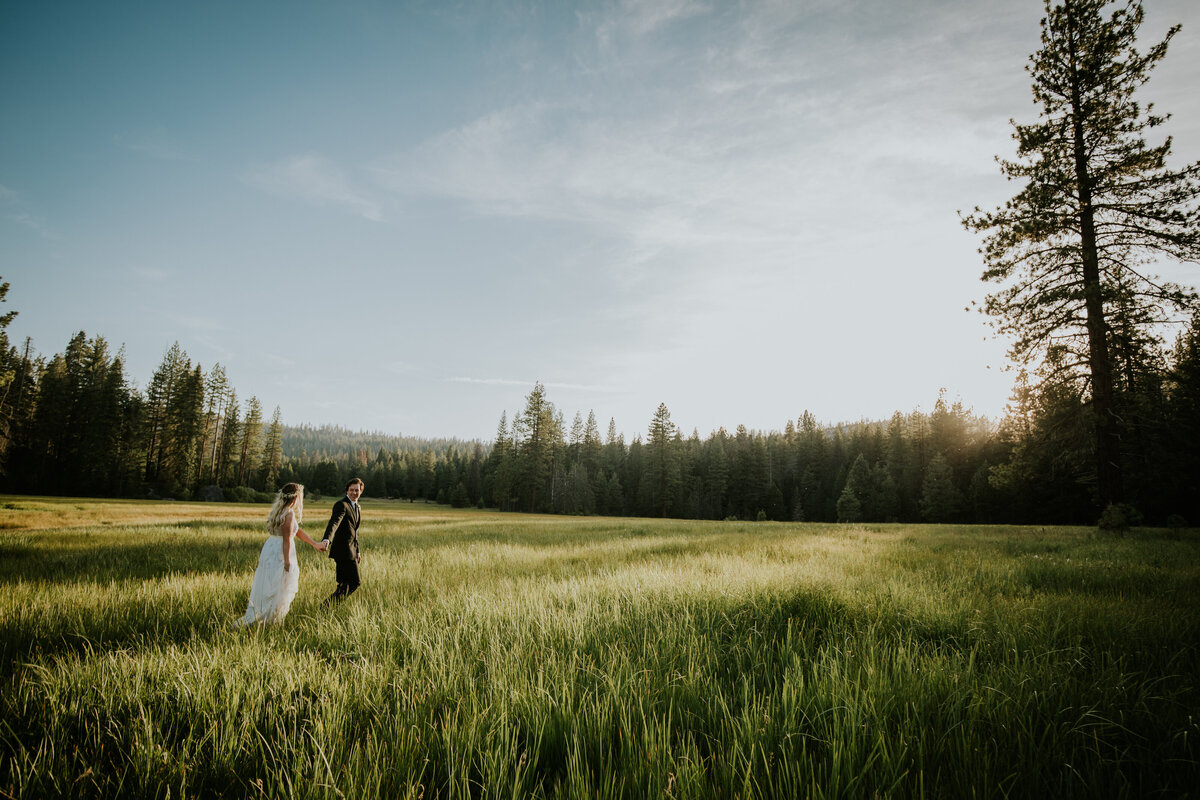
x=326 y=479
x=887 y=494
x=860 y=482
x=848 y=507
x=577 y=496
x=474 y=481
x=631 y=476
x=8 y=371
x=251 y=443
x=272 y=455
x=225 y=460
x=1097 y=203
x=110 y=445
x=797 y=508
x=426 y=471
x=716 y=472
x=17 y=413
x=592 y=446
x=662 y=470
x=65 y=404
x=940 y=498
x=761 y=495
x=539 y=432
x=1049 y=469
x=160 y=394
x=742 y=480
x=216 y=388
x=184 y=421
x=49 y=427
x=614 y=448
x=615 y=499
x=575 y=438
x=501 y=460
x=1182 y=457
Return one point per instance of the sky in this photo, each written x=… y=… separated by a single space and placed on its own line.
x=399 y=216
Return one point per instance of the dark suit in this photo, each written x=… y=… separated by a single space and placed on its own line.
x=342 y=534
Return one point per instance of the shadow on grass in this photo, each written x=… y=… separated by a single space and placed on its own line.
x=124 y=562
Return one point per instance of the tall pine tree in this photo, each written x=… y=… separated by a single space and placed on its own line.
x=538 y=435
x=251 y=445
x=272 y=454
x=1097 y=203
x=662 y=468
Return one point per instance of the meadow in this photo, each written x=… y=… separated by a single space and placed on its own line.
x=497 y=655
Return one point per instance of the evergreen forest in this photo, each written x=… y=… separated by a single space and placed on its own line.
x=74 y=424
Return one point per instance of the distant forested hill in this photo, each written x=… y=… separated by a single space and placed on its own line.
x=332 y=440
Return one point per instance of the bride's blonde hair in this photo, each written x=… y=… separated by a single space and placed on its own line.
x=290 y=496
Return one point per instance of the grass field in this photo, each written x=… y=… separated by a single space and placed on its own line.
x=494 y=656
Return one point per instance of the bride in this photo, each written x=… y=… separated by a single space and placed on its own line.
x=277 y=578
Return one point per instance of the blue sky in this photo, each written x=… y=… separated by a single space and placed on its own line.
x=398 y=216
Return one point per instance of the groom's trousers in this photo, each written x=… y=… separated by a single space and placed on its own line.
x=347 y=579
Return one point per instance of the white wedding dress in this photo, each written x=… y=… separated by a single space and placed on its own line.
x=273 y=590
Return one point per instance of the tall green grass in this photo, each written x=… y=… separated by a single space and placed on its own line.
x=516 y=656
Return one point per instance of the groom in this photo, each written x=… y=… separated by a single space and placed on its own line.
x=343 y=549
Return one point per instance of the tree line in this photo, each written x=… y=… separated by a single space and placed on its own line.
x=75 y=424
x=947 y=465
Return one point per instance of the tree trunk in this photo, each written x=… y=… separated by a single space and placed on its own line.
x=1108 y=429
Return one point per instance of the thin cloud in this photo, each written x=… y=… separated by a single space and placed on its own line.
x=153 y=143
x=15 y=209
x=766 y=147
x=151 y=274
x=575 y=387
x=641 y=17
x=490 y=381
x=196 y=322
x=276 y=360
x=737 y=169
x=316 y=180
x=403 y=368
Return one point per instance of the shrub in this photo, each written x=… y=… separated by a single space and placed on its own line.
x=1119 y=518
x=244 y=494
x=210 y=494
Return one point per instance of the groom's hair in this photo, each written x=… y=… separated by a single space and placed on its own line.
x=353 y=481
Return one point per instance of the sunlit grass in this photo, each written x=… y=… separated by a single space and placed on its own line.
x=492 y=655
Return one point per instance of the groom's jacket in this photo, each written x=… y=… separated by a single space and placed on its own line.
x=343 y=530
